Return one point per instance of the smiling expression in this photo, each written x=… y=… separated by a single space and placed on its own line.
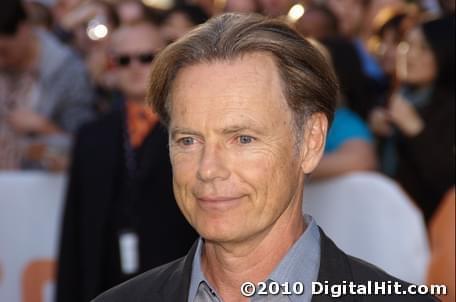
x=235 y=162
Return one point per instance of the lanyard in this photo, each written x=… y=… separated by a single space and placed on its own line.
x=130 y=181
x=129 y=153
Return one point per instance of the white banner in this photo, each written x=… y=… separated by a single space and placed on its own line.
x=30 y=211
x=370 y=217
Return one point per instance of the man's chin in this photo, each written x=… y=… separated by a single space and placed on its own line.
x=229 y=234
x=219 y=234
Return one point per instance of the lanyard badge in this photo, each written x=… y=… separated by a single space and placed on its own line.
x=129 y=252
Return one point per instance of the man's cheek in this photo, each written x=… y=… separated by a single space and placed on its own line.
x=261 y=167
x=184 y=175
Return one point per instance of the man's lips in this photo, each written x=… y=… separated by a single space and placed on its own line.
x=219 y=203
x=217 y=199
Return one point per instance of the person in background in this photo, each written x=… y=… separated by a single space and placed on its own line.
x=420 y=114
x=63 y=7
x=39 y=13
x=180 y=20
x=318 y=22
x=275 y=8
x=77 y=25
x=130 y=11
x=87 y=26
x=73 y=19
x=210 y=7
x=120 y=187
x=390 y=26
x=242 y=6
x=349 y=144
x=45 y=94
x=354 y=84
x=351 y=15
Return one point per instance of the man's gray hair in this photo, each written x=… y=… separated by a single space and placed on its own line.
x=308 y=82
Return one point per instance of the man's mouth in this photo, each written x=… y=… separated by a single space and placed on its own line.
x=218 y=201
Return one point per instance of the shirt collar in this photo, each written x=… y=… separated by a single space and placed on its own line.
x=197 y=272
x=302 y=261
x=305 y=251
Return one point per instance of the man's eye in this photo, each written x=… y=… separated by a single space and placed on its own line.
x=245 y=139
x=186 y=141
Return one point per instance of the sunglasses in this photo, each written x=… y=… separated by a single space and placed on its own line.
x=143 y=58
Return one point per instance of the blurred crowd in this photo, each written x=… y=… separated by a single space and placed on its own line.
x=74 y=75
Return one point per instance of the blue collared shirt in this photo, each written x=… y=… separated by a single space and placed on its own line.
x=300 y=264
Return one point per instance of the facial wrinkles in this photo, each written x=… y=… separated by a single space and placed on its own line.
x=256 y=170
x=225 y=112
x=226 y=148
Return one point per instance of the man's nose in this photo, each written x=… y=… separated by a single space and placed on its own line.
x=212 y=165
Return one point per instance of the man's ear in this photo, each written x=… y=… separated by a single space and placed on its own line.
x=313 y=141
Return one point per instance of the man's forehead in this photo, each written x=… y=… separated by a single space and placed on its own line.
x=252 y=77
x=243 y=73
x=229 y=94
x=219 y=118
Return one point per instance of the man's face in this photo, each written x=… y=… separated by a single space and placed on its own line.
x=235 y=163
x=133 y=48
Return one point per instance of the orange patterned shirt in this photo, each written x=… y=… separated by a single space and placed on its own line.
x=141 y=119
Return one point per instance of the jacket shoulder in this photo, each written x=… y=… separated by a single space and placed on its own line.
x=147 y=286
x=365 y=271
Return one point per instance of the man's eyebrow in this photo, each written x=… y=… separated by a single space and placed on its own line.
x=227 y=130
x=241 y=128
x=180 y=130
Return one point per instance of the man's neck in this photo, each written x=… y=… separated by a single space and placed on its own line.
x=228 y=265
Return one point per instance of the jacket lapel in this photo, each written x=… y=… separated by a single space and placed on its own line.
x=177 y=286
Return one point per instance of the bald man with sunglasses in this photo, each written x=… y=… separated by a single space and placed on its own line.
x=119 y=201
x=133 y=48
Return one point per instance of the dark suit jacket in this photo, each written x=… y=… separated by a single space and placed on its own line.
x=88 y=262
x=171 y=282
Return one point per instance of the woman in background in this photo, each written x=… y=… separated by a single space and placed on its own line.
x=421 y=113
